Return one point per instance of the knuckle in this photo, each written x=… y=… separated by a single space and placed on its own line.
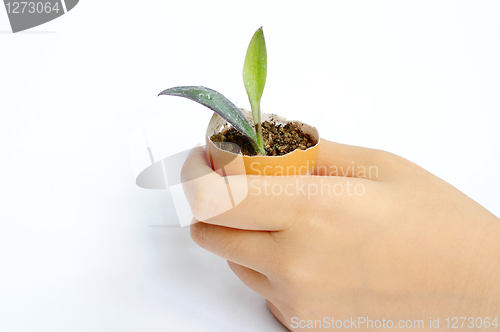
x=244 y=275
x=388 y=158
x=186 y=170
x=196 y=232
x=184 y=173
x=229 y=246
x=204 y=204
x=293 y=274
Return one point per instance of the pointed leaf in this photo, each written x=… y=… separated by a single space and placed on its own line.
x=217 y=103
x=255 y=70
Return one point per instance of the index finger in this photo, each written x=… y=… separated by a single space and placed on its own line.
x=268 y=203
x=336 y=159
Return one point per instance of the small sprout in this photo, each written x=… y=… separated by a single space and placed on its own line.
x=254 y=77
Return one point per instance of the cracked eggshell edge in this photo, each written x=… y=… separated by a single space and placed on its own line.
x=297 y=162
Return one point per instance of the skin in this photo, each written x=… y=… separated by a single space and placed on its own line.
x=410 y=247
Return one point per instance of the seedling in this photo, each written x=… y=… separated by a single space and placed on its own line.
x=254 y=77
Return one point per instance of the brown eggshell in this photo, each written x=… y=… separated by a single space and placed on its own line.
x=297 y=162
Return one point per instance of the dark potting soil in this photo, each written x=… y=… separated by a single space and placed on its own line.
x=278 y=140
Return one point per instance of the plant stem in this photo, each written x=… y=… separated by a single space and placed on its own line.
x=258 y=130
x=260 y=141
x=258 y=149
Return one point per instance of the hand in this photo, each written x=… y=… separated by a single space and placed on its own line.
x=370 y=234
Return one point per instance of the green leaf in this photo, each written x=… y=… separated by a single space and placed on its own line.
x=255 y=68
x=217 y=103
x=254 y=77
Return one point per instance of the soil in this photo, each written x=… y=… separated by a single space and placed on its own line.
x=278 y=140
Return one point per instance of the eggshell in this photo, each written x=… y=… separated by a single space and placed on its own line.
x=297 y=162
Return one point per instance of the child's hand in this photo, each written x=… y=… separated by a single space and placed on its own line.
x=396 y=243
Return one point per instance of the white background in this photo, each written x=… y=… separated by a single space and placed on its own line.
x=77 y=253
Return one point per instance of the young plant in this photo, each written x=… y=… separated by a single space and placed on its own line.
x=254 y=77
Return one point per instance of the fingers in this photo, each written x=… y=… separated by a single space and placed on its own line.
x=247 y=248
x=278 y=203
x=209 y=195
x=254 y=280
x=337 y=159
x=265 y=202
